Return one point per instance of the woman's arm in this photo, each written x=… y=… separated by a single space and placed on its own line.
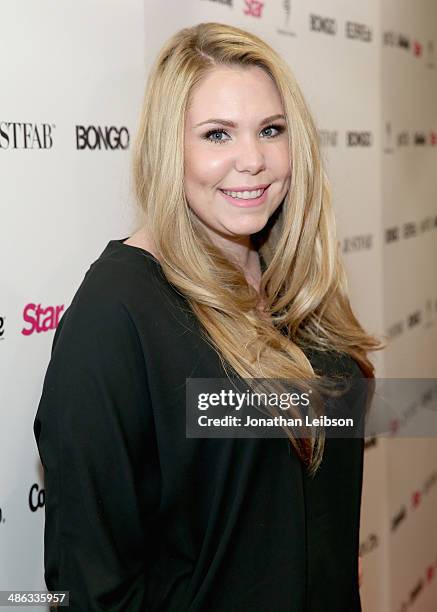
x=95 y=435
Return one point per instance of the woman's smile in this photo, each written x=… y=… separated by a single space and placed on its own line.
x=246 y=199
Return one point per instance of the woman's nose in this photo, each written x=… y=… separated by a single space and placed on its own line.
x=249 y=155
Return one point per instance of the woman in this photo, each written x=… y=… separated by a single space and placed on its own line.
x=234 y=268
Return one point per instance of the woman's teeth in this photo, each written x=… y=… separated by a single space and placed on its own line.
x=245 y=195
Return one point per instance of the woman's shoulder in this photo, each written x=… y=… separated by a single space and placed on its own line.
x=122 y=272
x=123 y=282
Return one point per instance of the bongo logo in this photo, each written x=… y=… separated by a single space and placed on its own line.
x=358 y=243
x=326 y=25
x=40 y=319
x=358 y=31
x=95 y=137
x=358 y=139
x=36 y=497
x=15 y=135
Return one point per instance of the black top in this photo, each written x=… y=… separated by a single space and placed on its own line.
x=139 y=517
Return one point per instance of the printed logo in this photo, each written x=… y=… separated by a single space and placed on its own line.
x=417 y=49
x=398 y=518
x=328 y=138
x=40 y=319
x=326 y=25
x=394 y=39
x=416 y=498
x=391 y=234
x=36 y=497
x=414 y=318
x=15 y=135
x=410 y=230
x=358 y=31
x=395 y=330
x=358 y=139
x=403 y=139
x=429 y=314
x=362 y=242
x=432 y=478
x=285 y=29
x=403 y=42
x=426 y=224
x=388 y=138
x=369 y=544
x=92 y=137
x=421 y=583
x=417 y=589
x=253 y=8
x=420 y=138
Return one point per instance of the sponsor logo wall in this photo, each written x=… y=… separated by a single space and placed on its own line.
x=368 y=71
x=74 y=80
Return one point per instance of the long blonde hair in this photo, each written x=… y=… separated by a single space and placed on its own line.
x=304 y=286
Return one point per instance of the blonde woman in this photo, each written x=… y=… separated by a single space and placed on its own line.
x=234 y=268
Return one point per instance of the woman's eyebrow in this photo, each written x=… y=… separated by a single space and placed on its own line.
x=228 y=123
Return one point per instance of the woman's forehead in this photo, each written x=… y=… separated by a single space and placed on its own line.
x=234 y=93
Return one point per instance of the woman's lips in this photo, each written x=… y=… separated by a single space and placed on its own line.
x=246 y=203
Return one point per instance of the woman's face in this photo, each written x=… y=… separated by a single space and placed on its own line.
x=251 y=154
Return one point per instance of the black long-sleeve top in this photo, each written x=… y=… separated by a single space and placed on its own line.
x=138 y=517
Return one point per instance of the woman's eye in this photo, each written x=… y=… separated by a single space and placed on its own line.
x=273 y=127
x=211 y=135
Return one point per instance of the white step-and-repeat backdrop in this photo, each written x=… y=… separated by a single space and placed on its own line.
x=72 y=80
